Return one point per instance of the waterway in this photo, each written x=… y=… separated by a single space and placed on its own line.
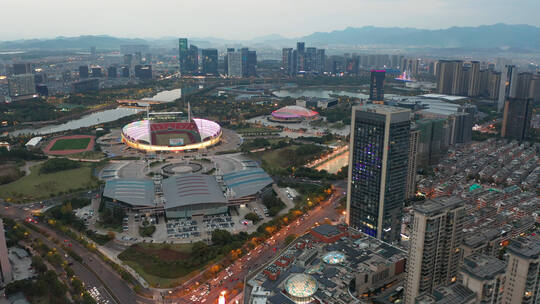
x=166 y=96
x=335 y=164
x=83 y=122
x=99 y=117
x=318 y=93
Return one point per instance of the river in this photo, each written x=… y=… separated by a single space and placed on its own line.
x=319 y=93
x=335 y=164
x=99 y=117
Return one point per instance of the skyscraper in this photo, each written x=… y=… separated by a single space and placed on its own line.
x=412 y=163
x=143 y=72
x=128 y=59
x=474 y=79
x=22 y=68
x=210 y=62
x=523 y=271
x=251 y=64
x=21 y=85
x=379 y=149
x=226 y=60
x=376 y=85
x=310 y=59
x=507 y=87
x=320 y=61
x=182 y=54
x=517 y=118
x=287 y=61
x=449 y=77
x=112 y=72
x=5 y=267
x=83 y=72
x=234 y=64
x=300 y=56
x=434 y=253
x=193 y=59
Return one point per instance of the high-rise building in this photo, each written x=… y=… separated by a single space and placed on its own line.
x=143 y=72
x=226 y=60
x=376 y=85
x=138 y=57
x=210 y=62
x=235 y=64
x=93 y=52
x=251 y=64
x=320 y=61
x=21 y=85
x=22 y=68
x=5 y=267
x=474 y=79
x=193 y=60
x=412 y=164
x=493 y=86
x=124 y=71
x=507 y=86
x=485 y=276
x=310 y=59
x=430 y=146
x=97 y=72
x=112 y=72
x=182 y=54
x=517 y=118
x=83 y=72
x=434 y=247
x=287 y=61
x=449 y=77
x=523 y=271
x=379 y=150
x=460 y=124
x=128 y=59
x=300 y=56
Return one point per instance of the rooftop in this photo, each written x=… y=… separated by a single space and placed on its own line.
x=135 y=192
x=527 y=247
x=482 y=266
x=247 y=182
x=453 y=294
x=191 y=189
x=438 y=205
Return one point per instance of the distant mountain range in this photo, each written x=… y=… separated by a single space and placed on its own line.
x=485 y=36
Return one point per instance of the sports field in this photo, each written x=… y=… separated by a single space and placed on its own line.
x=70 y=144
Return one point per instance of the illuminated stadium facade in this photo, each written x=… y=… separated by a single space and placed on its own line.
x=293 y=114
x=171 y=131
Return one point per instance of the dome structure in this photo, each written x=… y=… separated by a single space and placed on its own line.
x=293 y=114
x=301 y=287
x=334 y=257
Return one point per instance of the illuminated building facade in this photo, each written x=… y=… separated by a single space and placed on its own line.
x=379 y=150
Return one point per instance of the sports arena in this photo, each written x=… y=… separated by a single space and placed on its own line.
x=171 y=131
x=293 y=114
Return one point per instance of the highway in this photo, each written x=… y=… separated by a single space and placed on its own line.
x=226 y=280
x=101 y=272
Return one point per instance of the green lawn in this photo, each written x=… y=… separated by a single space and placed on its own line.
x=39 y=186
x=161 y=265
x=70 y=144
x=277 y=158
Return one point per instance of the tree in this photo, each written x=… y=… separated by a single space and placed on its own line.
x=252 y=217
x=221 y=237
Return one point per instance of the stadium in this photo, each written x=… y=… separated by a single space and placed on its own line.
x=293 y=114
x=171 y=131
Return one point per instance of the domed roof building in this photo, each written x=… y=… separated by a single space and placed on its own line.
x=293 y=114
x=301 y=287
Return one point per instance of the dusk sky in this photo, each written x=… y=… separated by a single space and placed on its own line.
x=243 y=19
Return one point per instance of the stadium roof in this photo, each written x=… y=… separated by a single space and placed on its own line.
x=191 y=189
x=135 y=192
x=247 y=182
x=445 y=97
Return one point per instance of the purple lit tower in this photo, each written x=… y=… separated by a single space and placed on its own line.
x=378 y=156
x=5 y=267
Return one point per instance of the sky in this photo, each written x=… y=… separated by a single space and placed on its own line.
x=243 y=19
